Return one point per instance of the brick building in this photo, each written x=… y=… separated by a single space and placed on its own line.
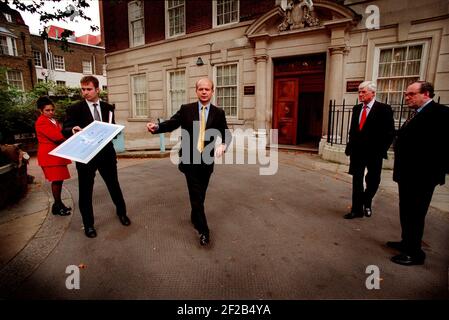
x=15 y=49
x=67 y=67
x=275 y=63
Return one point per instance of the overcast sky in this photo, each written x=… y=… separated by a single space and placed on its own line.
x=80 y=26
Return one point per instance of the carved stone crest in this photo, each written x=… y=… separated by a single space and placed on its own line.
x=299 y=14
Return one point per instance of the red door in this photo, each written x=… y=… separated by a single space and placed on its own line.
x=285 y=115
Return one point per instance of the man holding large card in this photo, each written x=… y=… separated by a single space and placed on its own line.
x=79 y=116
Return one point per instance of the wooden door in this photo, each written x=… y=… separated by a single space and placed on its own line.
x=285 y=115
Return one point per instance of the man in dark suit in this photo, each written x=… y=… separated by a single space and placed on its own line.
x=201 y=122
x=370 y=136
x=78 y=116
x=420 y=164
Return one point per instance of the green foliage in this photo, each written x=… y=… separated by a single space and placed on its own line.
x=18 y=111
x=74 y=9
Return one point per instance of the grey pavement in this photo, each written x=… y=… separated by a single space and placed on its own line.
x=272 y=237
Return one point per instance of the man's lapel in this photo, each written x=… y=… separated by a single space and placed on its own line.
x=210 y=116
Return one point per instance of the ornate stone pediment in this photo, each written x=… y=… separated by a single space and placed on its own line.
x=299 y=14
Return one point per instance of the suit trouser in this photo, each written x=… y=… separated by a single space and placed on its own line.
x=86 y=178
x=414 y=201
x=197 y=183
x=363 y=196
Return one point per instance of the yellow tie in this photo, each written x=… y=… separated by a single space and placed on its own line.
x=200 y=145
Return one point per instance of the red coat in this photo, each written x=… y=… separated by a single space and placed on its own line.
x=49 y=136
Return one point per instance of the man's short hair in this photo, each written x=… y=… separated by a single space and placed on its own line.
x=370 y=85
x=426 y=87
x=87 y=79
x=211 y=82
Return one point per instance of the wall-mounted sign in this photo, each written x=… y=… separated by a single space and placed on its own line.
x=249 y=90
x=353 y=86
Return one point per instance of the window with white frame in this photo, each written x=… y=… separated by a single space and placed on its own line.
x=226 y=89
x=175 y=17
x=87 y=67
x=37 y=58
x=398 y=67
x=225 y=12
x=15 y=79
x=176 y=89
x=139 y=96
x=59 y=62
x=60 y=83
x=136 y=24
x=8 y=46
x=8 y=17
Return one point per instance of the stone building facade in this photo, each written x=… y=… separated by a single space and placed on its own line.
x=276 y=63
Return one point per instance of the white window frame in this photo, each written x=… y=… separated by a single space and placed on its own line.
x=11 y=45
x=37 y=55
x=87 y=69
x=55 y=62
x=215 y=12
x=8 y=17
x=61 y=83
x=133 y=100
x=167 y=20
x=424 y=57
x=237 y=94
x=8 y=79
x=132 y=43
x=171 y=109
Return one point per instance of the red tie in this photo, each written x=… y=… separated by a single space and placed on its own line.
x=363 y=118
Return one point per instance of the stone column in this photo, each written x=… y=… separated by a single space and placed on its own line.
x=261 y=91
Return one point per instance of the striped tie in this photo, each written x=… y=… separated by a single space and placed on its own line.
x=96 y=114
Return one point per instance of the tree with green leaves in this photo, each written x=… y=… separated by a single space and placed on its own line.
x=74 y=8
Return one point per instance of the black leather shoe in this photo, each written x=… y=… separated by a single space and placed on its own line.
x=204 y=239
x=352 y=215
x=368 y=212
x=397 y=245
x=90 y=232
x=60 y=210
x=406 y=260
x=124 y=220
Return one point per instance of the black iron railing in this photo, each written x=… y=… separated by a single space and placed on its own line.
x=340 y=120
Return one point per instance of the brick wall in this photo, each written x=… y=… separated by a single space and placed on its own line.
x=154 y=13
x=252 y=9
x=23 y=62
x=198 y=15
x=115 y=25
x=74 y=58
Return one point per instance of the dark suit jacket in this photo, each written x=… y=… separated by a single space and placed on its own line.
x=376 y=135
x=184 y=118
x=80 y=115
x=422 y=147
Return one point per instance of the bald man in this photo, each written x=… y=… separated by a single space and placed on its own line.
x=201 y=122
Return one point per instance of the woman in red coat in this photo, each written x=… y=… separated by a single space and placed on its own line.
x=49 y=135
